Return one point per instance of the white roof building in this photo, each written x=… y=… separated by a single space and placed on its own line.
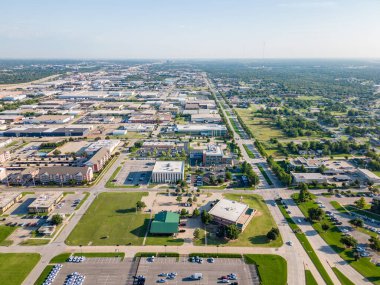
x=168 y=171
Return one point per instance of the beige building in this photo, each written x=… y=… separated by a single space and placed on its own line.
x=8 y=199
x=45 y=203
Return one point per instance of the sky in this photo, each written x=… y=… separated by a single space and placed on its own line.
x=185 y=29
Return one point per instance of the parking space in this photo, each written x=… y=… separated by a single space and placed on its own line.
x=135 y=172
x=68 y=203
x=212 y=272
x=112 y=271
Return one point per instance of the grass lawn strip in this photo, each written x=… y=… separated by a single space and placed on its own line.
x=15 y=267
x=272 y=268
x=332 y=237
x=111 y=219
x=5 y=232
x=44 y=275
x=342 y=278
x=265 y=174
x=310 y=280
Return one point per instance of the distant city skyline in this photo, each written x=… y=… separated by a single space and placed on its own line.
x=169 y=29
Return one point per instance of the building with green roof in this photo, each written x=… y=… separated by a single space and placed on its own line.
x=165 y=223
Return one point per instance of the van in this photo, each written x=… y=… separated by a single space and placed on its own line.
x=196 y=276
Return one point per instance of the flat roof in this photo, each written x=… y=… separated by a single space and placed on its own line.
x=200 y=127
x=45 y=200
x=168 y=166
x=368 y=173
x=228 y=210
x=7 y=197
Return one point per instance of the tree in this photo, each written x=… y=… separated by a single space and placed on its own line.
x=56 y=219
x=189 y=200
x=184 y=212
x=325 y=227
x=228 y=175
x=140 y=205
x=232 y=231
x=56 y=152
x=315 y=214
x=179 y=198
x=361 y=203
x=357 y=222
x=349 y=241
x=374 y=243
x=273 y=234
x=206 y=217
x=196 y=212
x=304 y=195
x=197 y=233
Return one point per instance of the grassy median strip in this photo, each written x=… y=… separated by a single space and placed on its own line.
x=109 y=183
x=272 y=269
x=342 y=278
x=41 y=279
x=306 y=245
x=61 y=258
x=100 y=254
x=86 y=194
x=337 y=206
x=310 y=280
x=248 y=151
x=265 y=174
x=332 y=237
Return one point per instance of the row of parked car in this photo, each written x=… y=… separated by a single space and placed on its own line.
x=168 y=276
x=76 y=259
x=333 y=219
x=52 y=274
x=228 y=278
x=74 y=278
x=197 y=259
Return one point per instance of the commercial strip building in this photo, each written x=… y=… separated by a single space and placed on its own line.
x=369 y=175
x=8 y=199
x=309 y=178
x=162 y=146
x=71 y=131
x=209 y=130
x=165 y=223
x=168 y=171
x=45 y=203
x=226 y=212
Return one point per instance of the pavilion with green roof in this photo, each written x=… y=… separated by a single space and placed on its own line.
x=165 y=223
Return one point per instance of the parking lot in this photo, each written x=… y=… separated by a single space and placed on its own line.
x=135 y=172
x=67 y=205
x=246 y=274
x=100 y=271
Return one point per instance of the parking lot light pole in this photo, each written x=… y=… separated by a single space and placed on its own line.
x=81 y=253
x=165 y=249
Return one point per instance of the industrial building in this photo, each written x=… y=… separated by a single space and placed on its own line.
x=45 y=203
x=227 y=212
x=46 y=132
x=168 y=171
x=309 y=178
x=369 y=175
x=8 y=199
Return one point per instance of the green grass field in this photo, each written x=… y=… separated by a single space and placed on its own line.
x=5 y=232
x=255 y=232
x=342 y=278
x=35 y=241
x=15 y=267
x=163 y=240
x=272 y=268
x=332 y=237
x=111 y=220
x=44 y=275
x=60 y=258
x=310 y=280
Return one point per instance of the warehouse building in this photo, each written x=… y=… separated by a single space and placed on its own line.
x=8 y=199
x=226 y=212
x=309 y=178
x=165 y=223
x=46 y=132
x=369 y=175
x=45 y=203
x=168 y=171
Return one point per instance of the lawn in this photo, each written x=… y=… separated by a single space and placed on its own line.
x=100 y=254
x=60 y=258
x=5 y=232
x=111 y=220
x=310 y=280
x=109 y=183
x=255 y=232
x=15 y=267
x=342 y=278
x=332 y=237
x=163 y=240
x=272 y=268
x=44 y=275
x=248 y=151
x=36 y=241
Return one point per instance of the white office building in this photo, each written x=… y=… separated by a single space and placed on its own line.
x=168 y=171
